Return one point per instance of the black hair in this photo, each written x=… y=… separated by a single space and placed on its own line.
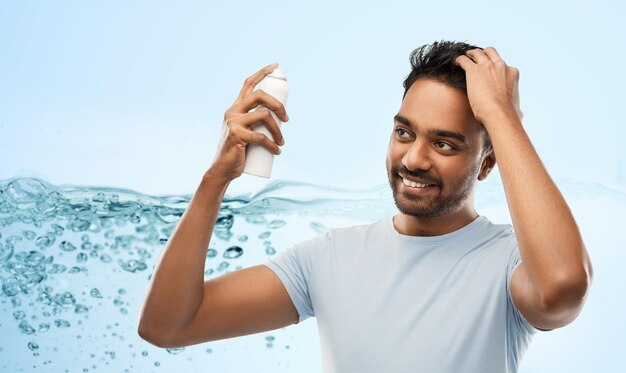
x=436 y=61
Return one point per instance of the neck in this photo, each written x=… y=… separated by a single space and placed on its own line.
x=418 y=226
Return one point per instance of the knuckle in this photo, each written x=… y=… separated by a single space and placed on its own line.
x=259 y=137
x=264 y=116
x=270 y=143
x=235 y=131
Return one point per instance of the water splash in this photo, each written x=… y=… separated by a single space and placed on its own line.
x=76 y=260
x=69 y=253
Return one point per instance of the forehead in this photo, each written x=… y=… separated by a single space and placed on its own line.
x=432 y=105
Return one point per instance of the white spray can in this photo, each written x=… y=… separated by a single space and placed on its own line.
x=259 y=159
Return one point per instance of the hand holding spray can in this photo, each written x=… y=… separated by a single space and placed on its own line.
x=259 y=160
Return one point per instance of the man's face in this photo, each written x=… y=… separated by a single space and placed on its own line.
x=420 y=151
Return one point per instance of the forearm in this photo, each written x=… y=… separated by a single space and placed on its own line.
x=176 y=288
x=549 y=240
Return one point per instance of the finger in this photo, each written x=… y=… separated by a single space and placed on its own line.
x=464 y=61
x=256 y=117
x=492 y=54
x=260 y=97
x=478 y=55
x=252 y=137
x=253 y=80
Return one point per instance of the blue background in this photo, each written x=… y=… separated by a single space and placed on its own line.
x=132 y=95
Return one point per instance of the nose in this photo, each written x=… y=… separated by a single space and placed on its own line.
x=417 y=156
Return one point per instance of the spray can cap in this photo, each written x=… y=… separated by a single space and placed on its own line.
x=278 y=74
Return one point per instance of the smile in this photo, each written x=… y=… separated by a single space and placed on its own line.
x=414 y=184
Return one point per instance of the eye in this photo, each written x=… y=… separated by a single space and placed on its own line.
x=438 y=143
x=399 y=131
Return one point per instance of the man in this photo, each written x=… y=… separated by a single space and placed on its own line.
x=435 y=288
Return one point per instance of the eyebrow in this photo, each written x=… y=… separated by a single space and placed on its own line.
x=435 y=132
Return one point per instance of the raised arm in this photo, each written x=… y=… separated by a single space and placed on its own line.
x=551 y=284
x=180 y=308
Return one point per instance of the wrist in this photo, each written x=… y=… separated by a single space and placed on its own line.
x=215 y=176
x=500 y=118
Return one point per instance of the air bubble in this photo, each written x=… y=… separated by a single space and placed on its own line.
x=233 y=252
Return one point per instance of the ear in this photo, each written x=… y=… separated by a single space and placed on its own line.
x=488 y=163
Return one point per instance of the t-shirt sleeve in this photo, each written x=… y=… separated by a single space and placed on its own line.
x=514 y=314
x=294 y=267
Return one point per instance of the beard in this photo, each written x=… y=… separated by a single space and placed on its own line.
x=434 y=203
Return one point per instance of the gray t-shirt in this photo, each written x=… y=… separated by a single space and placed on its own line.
x=388 y=302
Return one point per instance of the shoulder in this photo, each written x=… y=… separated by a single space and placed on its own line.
x=356 y=230
x=501 y=231
x=494 y=236
x=357 y=235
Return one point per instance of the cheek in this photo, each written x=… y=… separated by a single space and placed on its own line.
x=396 y=150
x=453 y=171
x=393 y=155
x=465 y=174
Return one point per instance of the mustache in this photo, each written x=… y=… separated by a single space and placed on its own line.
x=417 y=175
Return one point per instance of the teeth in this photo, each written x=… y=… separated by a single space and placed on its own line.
x=413 y=184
